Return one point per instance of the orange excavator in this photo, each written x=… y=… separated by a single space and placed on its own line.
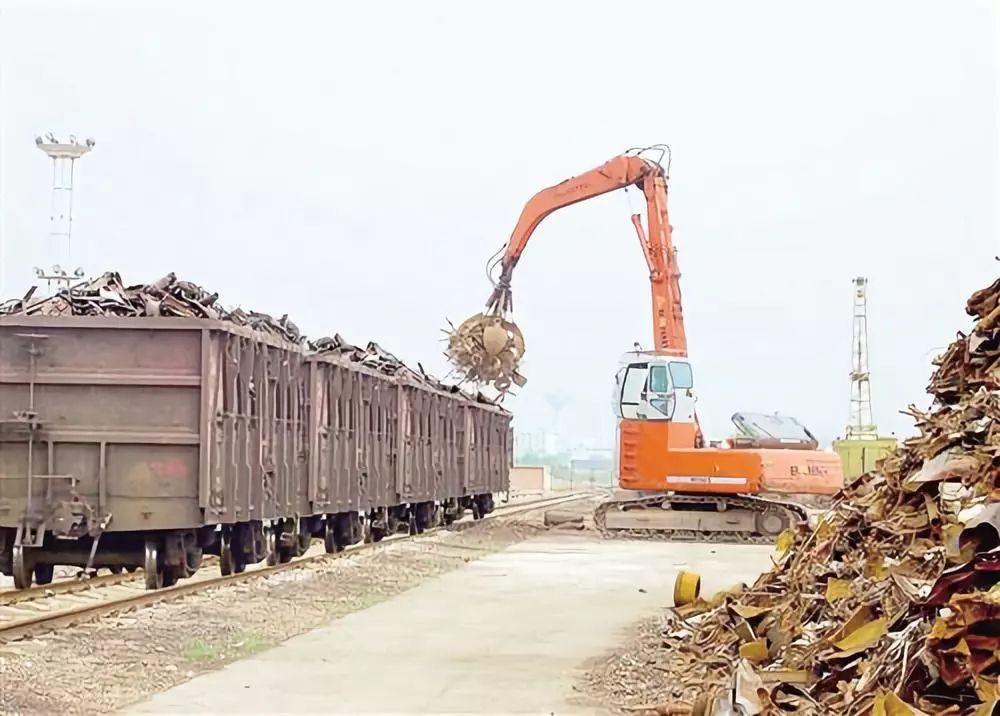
x=747 y=488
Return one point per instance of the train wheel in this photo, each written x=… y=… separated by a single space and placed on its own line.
x=346 y=529
x=424 y=513
x=392 y=522
x=330 y=536
x=44 y=573
x=240 y=557
x=259 y=544
x=192 y=561
x=170 y=576
x=355 y=528
x=117 y=569
x=302 y=545
x=252 y=534
x=154 y=572
x=271 y=540
x=227 y=560
x=378 y=533
x=21 y=568
x=477 y=511
x=282 y=535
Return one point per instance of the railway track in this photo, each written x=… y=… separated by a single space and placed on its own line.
x=72 y=585
x=73 y=601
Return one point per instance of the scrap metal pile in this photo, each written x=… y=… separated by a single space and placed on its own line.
x=891 y=604
x=486 y=349
x=376 y=358
x=107 y=295
x=170 y=296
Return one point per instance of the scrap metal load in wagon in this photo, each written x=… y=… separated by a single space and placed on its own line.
x=675 y=484
x=146 y=426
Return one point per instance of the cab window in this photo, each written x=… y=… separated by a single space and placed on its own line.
x=658 y=382
x=680 y=374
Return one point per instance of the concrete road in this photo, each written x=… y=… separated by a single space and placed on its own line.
x=510 y=633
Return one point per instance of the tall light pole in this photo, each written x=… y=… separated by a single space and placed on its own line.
x=64 y=156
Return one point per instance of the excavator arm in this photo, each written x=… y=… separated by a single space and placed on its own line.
x=618 y=173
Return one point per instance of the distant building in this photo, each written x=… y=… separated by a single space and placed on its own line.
x=530 y=478
x=592 y=460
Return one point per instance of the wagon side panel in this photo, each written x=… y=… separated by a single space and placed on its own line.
x=334 y=461
x=101 y=423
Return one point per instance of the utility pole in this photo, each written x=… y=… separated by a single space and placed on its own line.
x=60 y=243
x=861 y=424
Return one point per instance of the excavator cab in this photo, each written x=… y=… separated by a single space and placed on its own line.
x=649 y=386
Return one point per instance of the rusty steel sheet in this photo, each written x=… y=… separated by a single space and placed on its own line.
x=143 y=409
x=890 y=603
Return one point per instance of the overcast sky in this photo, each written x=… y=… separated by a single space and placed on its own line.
x=355 y=164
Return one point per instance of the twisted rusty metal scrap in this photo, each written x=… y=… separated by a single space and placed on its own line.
x=891 y=605
x=107 y=295
x=476 y=361
x=376 y=358
x=170 y=296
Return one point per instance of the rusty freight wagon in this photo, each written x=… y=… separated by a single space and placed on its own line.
x=130 y=442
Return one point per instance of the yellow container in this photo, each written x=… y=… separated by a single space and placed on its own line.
x=687 y=588
x=861 y=456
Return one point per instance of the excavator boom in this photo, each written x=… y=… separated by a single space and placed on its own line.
x=619 y=172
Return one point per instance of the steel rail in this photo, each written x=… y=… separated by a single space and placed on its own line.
x=42 y=621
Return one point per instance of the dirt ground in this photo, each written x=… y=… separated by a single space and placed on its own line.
x=636 y=673
x=645 y=669
x=104 y=665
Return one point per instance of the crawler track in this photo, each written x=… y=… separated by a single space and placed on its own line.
x=793 y=512
x=62 y=604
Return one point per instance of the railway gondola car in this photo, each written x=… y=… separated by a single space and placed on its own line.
x=149 y=442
